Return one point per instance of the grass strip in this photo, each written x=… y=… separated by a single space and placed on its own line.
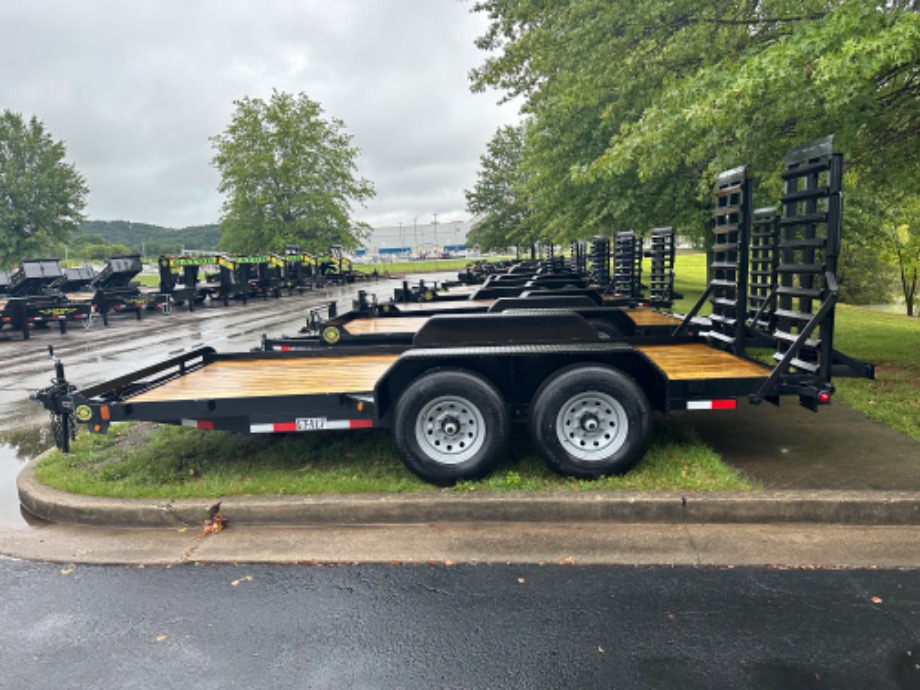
x=148 y=461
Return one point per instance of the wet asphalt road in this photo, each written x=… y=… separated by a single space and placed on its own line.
x=101 y=353
x=457 y=626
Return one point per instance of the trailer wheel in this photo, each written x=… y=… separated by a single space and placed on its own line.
x=591 y=421
x=450 y=425
x=605 y=329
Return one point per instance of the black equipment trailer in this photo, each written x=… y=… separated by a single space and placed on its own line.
x=30 y=302
x=370 y=324
x=115 y=292
x=450 y=398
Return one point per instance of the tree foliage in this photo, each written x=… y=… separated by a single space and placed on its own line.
x=635 y=107
x=41 y=196
x=495 y=201
x=903 y=236
x=289 y=177
x=153 y=240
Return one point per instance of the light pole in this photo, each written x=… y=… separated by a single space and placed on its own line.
x=415 y=233
x=436 y=250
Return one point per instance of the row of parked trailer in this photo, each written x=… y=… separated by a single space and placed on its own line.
x=449 y=372
x=39 y=292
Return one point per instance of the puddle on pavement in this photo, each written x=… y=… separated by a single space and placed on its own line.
x=17 y=447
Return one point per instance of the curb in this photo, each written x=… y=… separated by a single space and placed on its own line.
x=895 y=508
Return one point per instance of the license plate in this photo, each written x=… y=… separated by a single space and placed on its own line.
x=311 y=423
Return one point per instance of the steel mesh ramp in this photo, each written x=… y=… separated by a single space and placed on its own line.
x=762 y=270
x=627 y=264
x=729 y=260
x=661 y=276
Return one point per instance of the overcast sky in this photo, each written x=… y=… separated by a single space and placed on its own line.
x=134 y=88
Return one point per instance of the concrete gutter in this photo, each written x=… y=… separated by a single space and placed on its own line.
x=893 y=508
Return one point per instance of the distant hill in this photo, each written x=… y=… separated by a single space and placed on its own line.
x=152 y=239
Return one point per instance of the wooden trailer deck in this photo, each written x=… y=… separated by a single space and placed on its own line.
x=444 y=305
x=359 y=374
x=699 y=361
x=390 y=324
x=258 y=378
x=650 y=317
x=412 y=324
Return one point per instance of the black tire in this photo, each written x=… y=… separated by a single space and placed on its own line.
x=605 y=329
x=591 y=421
x=450 y=425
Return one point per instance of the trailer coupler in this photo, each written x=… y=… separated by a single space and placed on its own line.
x=59 y=403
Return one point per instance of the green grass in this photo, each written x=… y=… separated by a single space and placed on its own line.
x=148 y=280
x=142 y=461
x=892 y=343
x=407 y=267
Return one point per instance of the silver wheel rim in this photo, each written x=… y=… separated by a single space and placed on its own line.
x=450 y=430
x=592 y=426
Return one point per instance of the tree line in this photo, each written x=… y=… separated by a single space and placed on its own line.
x=288 y=174
x=629 y=110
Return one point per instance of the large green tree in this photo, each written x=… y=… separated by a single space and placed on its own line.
x=495 y=201
x=41 y=196
x=636 y=107
x=289 y=176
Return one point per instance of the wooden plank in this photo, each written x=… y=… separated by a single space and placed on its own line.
x=270 y=377
x=389 y=324
x=687 y=361
x=650 y=317
x=80 y=296
x=446 y=305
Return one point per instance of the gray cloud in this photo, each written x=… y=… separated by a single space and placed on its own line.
x=135 y=88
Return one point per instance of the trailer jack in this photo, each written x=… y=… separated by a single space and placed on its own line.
x=56 y=398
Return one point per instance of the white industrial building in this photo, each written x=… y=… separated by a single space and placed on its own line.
x=419 y=239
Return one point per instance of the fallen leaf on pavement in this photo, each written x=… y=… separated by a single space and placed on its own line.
x=214 y=525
